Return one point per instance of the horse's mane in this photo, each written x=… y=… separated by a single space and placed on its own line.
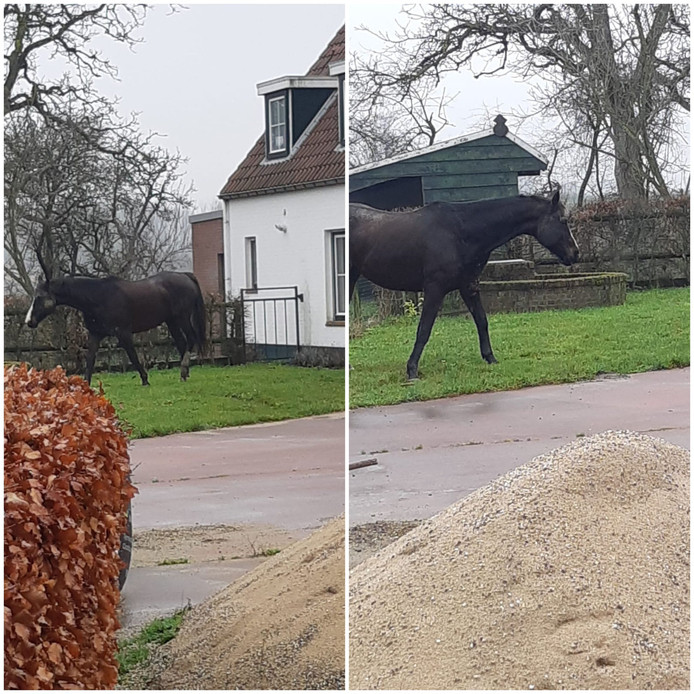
x=539 y=198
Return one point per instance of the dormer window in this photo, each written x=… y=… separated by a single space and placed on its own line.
x=277 y=125
x=291 y=105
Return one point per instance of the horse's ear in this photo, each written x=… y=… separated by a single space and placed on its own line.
x=555 y=199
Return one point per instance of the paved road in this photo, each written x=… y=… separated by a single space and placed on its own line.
x=431 y=454
x=287 y=474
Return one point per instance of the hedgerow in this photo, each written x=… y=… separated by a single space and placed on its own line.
x=67 y=491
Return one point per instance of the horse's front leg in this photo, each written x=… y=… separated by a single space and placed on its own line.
x=92 y=347
x=433 y=298
x=471 y=297
x=126 y=342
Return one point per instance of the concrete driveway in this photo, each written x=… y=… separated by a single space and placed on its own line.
x=432 y=454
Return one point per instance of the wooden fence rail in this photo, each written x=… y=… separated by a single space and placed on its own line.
x=61 y=339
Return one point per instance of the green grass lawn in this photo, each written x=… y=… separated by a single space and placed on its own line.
x=222 y=396
x=650 y=331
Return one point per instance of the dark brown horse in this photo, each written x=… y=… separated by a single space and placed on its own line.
x=119 y=308
x=443 y=247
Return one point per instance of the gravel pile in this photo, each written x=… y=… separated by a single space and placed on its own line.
x=571 y=572
x=367 y=539
x=281 y=626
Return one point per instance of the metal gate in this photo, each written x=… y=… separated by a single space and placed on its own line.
x=271 y=322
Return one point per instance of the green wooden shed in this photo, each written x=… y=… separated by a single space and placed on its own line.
x=482 y=165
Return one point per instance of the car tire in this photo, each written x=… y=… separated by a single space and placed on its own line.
x=126 y=548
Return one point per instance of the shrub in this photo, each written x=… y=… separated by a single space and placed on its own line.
x=67 y=491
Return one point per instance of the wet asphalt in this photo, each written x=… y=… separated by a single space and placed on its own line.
x=434 y=453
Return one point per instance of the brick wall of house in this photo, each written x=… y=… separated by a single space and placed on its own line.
x=208 y=246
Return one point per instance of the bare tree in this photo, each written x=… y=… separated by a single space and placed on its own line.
x=619 y=73
x=82 y=184
x=66 y=31
x=384 y=122
x=88 y=211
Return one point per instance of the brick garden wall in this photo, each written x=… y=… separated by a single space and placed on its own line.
x=547 y=292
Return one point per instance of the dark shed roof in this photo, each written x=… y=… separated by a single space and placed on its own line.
x=317 y=160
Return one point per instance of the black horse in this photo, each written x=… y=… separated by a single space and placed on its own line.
x=113 y=307
x=443 y=247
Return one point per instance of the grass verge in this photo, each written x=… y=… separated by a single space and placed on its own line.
x=216 y=397
x=650 y=331
x=135 y=652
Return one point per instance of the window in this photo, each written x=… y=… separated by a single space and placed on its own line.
x=251 y=264
x=338 y=275
x=277 y=125
x=220 y=274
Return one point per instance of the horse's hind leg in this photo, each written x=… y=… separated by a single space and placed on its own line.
x=126 y=342
x=471 y=297
x=433 y=298
x=182 y=346
x=353 y=277
x=92 y=347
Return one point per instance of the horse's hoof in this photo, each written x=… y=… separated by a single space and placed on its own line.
x=491 y=359
x=411 y=381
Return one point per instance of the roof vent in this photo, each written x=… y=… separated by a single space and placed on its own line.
x=500 y=129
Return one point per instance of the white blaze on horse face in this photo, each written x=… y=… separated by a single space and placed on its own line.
x=29 y=312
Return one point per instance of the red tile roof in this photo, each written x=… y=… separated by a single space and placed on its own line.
x=317 y=161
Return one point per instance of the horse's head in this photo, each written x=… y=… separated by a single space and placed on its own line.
x=554 y=234
x=43 y=304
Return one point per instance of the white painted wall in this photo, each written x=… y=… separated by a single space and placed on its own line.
x=299 y=256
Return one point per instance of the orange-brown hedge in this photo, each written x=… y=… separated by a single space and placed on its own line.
x=66 y=495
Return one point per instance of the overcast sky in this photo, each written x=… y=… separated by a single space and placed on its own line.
x=193 y=78
x=478 y=101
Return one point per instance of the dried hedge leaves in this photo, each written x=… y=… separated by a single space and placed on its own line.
x=66 y=495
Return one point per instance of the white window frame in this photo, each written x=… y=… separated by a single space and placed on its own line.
x=338 y=278
x=274 y=126
x=251 y=249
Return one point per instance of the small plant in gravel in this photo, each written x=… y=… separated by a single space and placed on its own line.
x=172 y=562
x=135 y=651
x=270 y=552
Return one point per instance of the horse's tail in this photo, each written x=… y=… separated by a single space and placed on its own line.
x=198 y=318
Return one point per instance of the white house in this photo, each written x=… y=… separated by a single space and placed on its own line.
x=284 y=214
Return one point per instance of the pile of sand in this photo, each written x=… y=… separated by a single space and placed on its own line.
x=281 y=626
x=570 y=572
